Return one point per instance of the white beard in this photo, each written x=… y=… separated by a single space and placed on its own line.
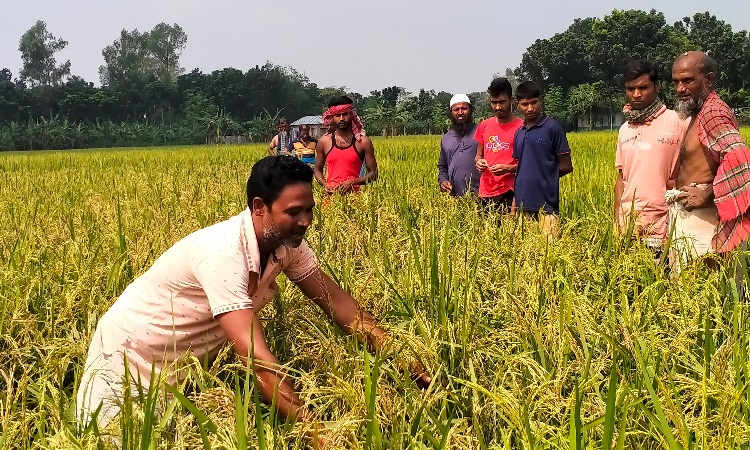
x=691 y=108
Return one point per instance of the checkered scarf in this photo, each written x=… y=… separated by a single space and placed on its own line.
x=719 y=134
x=645 y=115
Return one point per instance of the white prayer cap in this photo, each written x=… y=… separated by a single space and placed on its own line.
x=460 y=98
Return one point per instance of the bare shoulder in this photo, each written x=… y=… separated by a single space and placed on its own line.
x=324 y=142
x=366 y=142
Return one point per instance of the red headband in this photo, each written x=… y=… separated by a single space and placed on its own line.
x=340 y=109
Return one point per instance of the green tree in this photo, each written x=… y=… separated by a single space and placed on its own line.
x=390 y=95
x=556 y=105
x=328 y=92
x=198 y=111
x=626 y=35
x=717 y=38
x=419 y=108
x=166 y=43
x=561 y=60
x=584 y=98
x=126 y=61
x=13 y=99
x=377 y=114
x=481 y=107
x=512 y=78
x=440 y=117
x=222 y=124
x=135 y=57
x=38 y=47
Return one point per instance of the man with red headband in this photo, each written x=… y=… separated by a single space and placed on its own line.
x=344 y=150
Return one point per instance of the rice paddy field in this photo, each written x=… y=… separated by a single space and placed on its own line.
x=582 y=342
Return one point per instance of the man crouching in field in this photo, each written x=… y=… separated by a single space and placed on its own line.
x=709 y=213
x=206 y=290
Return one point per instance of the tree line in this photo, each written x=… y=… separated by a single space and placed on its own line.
x=581 y=68
x=146 y=97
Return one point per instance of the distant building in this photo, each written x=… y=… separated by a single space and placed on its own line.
x=228 y=138
x=317 y=129
x=602 y=120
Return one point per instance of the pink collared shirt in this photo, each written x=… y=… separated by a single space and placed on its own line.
x=172 y=308
x=647 y=156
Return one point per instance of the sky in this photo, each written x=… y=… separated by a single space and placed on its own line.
x=454 y=46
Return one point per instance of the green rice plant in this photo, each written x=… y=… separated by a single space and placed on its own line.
x=578 y=342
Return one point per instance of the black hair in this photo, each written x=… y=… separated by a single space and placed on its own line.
x=281 y=121
x=500 y=86
x=340 y=100
x=528 y=90
x=272 y=174
x=640 y=67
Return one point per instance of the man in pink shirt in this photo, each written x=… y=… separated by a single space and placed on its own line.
x=206 y=291
x=647 y=149
x=494 y=159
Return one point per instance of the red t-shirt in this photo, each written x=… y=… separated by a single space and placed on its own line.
x=497 y=140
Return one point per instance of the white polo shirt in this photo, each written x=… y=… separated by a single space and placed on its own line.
x=172 y=308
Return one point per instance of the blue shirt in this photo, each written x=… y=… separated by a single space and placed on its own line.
x=538 y=176
x=456 y=163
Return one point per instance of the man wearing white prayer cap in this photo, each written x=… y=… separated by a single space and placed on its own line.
x=457 y=173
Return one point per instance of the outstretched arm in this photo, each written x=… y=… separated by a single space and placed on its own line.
x=245 y=332
x=370 y=163
x=320 y=161
x=442 y=165
x=342 y=308
x=619 y=188
x=564 y=164
x=351 y=317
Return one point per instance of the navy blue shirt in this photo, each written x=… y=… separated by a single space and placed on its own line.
x=456 y=163
x=538 y=176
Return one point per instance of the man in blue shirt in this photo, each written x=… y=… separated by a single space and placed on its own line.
x=457 y=173
x=543 y=155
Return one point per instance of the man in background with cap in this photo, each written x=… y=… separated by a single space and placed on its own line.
x=494 y=149
x=457 y=173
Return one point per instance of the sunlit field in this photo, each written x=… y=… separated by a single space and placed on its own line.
x=579 y=342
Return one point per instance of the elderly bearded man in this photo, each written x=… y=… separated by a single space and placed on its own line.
x=709 y=212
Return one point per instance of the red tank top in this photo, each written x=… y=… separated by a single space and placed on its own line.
x=344 y=164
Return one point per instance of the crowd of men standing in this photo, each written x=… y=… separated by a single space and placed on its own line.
x=683 y=176
x=343 y=159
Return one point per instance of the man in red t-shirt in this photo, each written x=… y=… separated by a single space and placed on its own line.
x=494 y=158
